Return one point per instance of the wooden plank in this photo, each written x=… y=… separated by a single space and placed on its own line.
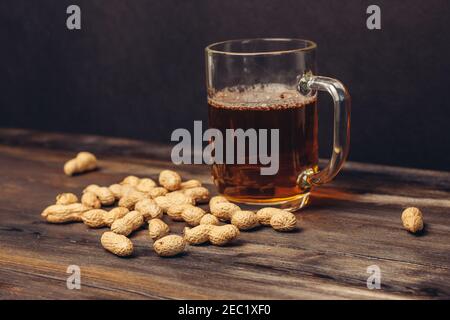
x=351 y=224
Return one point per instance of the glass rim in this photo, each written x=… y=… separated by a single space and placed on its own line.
x=309 y=45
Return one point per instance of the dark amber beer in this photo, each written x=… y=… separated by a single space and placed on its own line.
x=270 y=106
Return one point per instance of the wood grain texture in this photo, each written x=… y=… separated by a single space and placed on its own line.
x=352 y=223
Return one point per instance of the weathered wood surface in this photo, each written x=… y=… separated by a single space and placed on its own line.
x=351 y=224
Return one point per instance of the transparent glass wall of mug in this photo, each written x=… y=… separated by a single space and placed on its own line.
x=267 y=88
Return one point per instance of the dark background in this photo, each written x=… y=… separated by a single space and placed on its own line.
x=136 y=69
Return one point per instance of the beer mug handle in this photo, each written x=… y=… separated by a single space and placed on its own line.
x=307 y=85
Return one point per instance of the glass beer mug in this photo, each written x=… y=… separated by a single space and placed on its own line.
x=262 y=97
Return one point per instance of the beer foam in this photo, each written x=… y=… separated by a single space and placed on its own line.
x=262 y=97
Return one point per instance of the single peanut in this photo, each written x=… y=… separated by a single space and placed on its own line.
x=116 y=190
x=190 y=184
x=130 y=180
x=128 y=188
x=278 y=219
x=174 y=212
x=221 y=235
x=157 y=229
x=118 y=244
x=217 y=199
x=105 y=195
x=169 y=246
x=173 y=198
x=170 y=180
x=59 y=213
x=130 y=222
x=91 y=200
x=192 y=215
x=198 y=234
x=283 y=221
x=98 y=218
x=84 y=161
x=119 y=190
x=130 y=199
x=265 y=214
x=66 y=198
x=216 y=235
x=209 y=219
x=113 y=215
x=94 y=218
x=244 y=220
x=199 y=194
x=149 y=209
x=145 y=185
x=91 y=188
x=163 y=202
x=412 y=219
x=157 y=192
x=224 y=210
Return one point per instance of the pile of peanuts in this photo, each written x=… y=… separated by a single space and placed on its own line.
x=142 y=201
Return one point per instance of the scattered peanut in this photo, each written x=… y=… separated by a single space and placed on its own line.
x=84 y=161
x=198 y=234
x=163 y=202
x=145 y=185
x=223 y=210
x=105 y=195
x=412 y=219
x=221 y=235
x=113 y=215
x=216 y=235
x=283 y=221
x=209 y=219
x=157 y=192
x=157 y=228
x=66 y=198
x=244 y=220
x=174 y=212
x=119 y=190
x=130 y=199
x=98 y=218
x=278 y=219
x=265 y=214
x=126 y=225
x=127 y=188
x=94 y=218
x=131 y=180
x=199 y=194
x=149 y=209
x=91 y=200
x=190 y=184
x=169 y=246
x=217 y=199
x=116 y=190
x=59 y=213
x=170 y=180
x=192 y=215
x=173 y=198
x=117 y=244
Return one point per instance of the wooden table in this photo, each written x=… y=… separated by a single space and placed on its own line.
x=351 y=224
